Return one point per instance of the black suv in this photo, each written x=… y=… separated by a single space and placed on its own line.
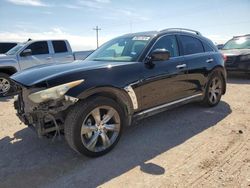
x=127 y=78
x=237 y=53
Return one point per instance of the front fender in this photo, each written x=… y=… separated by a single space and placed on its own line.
x=6 y=63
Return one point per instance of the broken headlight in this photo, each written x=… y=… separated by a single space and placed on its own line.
x=53 y=93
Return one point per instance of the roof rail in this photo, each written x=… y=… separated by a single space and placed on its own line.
x=181 y=29
x=246 y=35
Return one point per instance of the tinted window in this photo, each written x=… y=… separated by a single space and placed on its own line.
x=207 y=47
x=191 y=45
x=168 y=43
x=5 y=47
x=38 y=48
x=121 y=49
x=59 y=46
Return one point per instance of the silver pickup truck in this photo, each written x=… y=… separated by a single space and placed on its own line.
x=33 y=53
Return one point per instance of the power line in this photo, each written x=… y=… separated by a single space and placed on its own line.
x=97 y=29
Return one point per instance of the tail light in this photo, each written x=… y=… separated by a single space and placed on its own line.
x=224 y=57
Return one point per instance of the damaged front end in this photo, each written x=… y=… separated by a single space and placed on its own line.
x=46 y=112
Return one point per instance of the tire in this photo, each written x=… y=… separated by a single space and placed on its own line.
x=6 y=85
x=94 y=139
x=214 y=90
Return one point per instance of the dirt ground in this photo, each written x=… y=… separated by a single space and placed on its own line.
x=190 y=146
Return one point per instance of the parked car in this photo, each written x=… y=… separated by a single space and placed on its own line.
x=237 y=52
x=219 y=46
x=6 y=46
x=128 y=78
x=33 y=53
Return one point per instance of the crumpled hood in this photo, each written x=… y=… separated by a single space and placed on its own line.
x=38 y=74
x=235 y=52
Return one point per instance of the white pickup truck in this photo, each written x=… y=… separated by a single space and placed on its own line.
x=33 y=53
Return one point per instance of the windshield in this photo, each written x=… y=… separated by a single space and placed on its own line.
x=13 y=51
x=121 y=49
x=237 y=43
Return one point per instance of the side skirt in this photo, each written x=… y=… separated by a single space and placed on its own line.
x=167 y=106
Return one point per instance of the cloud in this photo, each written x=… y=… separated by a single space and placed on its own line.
x=71 y=6
x=77 y=42
x=36 y=3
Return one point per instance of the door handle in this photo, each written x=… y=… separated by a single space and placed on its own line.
x=210 y=60
x=69 y=56
x=181 y=66
x=49 y=58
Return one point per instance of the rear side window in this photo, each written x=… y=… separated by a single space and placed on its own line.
x=168 y=43
x=59 y=46
x=39 y=48
x=191 y=45
x=207 y=47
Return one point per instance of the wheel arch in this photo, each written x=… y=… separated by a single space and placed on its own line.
x=119 y=95
x=8 y=70
x=221 y=70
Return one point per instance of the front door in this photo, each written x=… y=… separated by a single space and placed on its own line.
x=40 y=55
x=165 y=81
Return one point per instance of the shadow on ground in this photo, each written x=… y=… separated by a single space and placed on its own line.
x=6 y=99
x=27 y=160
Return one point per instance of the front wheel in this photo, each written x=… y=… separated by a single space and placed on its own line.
x=5 y=85
x=93 y=127
x=214 y=90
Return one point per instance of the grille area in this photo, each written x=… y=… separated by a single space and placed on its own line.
x=230 y=59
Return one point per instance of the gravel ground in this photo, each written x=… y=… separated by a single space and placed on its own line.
x=190 y=146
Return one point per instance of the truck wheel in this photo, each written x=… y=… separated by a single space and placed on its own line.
x=5 y=85
x=214 y=90
x=93 y=127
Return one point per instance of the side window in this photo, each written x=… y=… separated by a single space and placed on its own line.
x=5 y=47
x=207 y=47
x=169 y=43
x=39 y=48
x=59 y=46
x=191 y=45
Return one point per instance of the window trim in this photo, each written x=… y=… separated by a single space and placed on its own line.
x=169 y=34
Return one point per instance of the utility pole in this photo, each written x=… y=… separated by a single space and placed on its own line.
x=97 y=29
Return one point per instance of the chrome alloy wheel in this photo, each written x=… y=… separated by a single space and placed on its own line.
x=215 y=90
x=4 y=85
x=100 y=128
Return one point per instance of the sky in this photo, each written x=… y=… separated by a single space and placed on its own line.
x=74 y=20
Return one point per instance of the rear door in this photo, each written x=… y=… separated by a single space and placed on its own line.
x=197 y=61
x=62 y=53
x=40 y=55
x=165 y=80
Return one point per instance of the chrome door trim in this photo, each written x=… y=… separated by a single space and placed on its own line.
x=168 y=104
x=181 y=66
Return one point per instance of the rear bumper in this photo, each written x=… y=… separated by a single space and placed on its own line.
x=239 y=66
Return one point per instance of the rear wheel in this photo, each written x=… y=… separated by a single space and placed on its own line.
x=93 y=127
x=214 y=90
x=5 y=85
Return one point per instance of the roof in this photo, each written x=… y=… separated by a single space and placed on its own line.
x=168 y=30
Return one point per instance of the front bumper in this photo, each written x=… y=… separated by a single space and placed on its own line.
x=44 y=118
x=234 y=64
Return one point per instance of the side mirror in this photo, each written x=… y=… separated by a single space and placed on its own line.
x=160 y=55
x=26 y=52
